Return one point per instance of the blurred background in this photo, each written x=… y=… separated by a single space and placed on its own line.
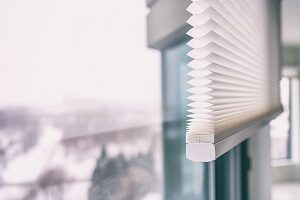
x=88 y=111
x=285 y=129
x=79 y=101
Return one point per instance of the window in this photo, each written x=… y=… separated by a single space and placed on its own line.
x=280 y=128
x=184 y=179
x=224 y=179
x=285 y=128
x=79 y=112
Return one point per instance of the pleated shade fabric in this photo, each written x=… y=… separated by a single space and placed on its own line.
x=233 y=80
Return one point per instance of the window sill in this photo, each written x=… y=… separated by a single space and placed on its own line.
x=282 y=162
x=284 y=171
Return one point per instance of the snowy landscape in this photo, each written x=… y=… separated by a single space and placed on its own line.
x=80 y=152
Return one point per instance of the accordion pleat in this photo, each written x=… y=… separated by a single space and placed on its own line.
x=229 y=80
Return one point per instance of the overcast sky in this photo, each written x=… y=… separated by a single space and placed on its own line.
x=56 y=50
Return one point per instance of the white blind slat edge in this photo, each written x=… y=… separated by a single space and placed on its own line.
x=207 y=152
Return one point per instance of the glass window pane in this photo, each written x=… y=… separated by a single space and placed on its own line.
x=184 y=179
x=79 y=102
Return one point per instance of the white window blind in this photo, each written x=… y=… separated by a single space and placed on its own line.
x=234 y=73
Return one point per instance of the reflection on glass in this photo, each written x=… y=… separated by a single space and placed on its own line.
x=184 y=179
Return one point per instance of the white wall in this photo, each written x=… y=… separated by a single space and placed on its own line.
x=260 y=169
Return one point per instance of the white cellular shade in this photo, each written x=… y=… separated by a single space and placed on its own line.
x=233 y=78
